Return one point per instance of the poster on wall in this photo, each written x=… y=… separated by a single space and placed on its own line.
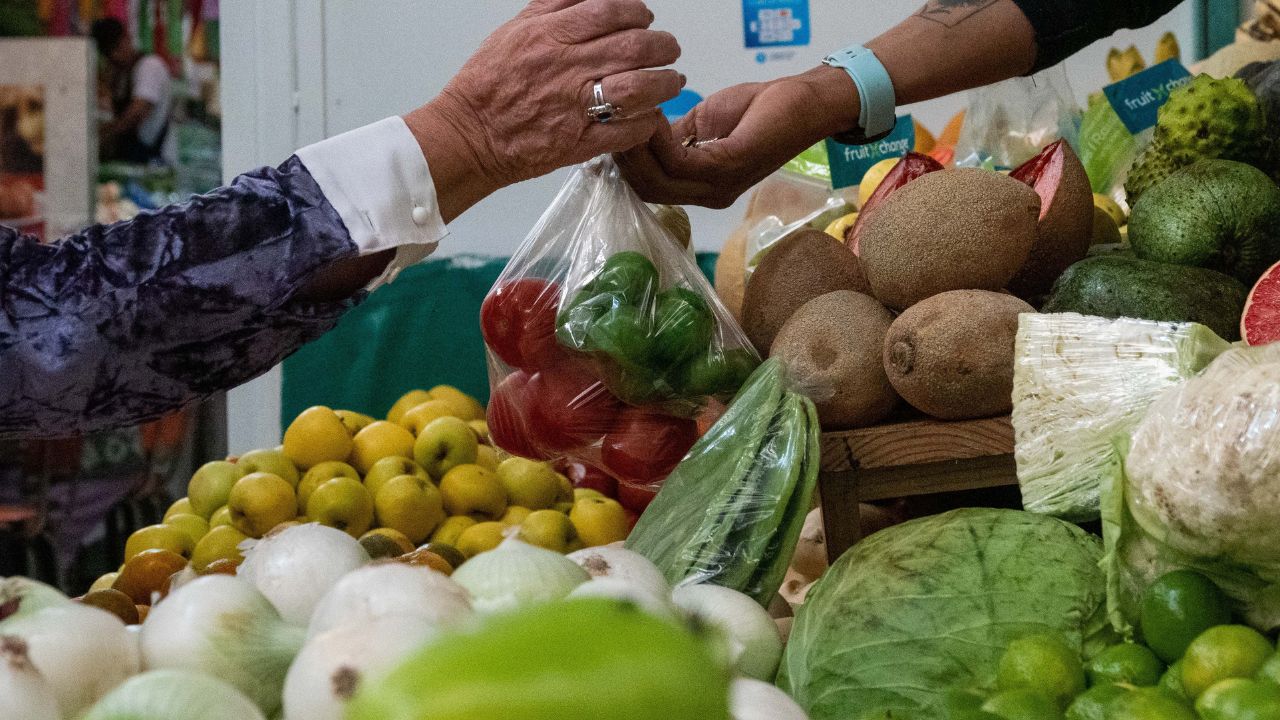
x=48 y=140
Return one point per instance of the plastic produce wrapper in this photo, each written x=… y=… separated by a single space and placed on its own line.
x=605 y=341
x=732 y=511
x=1196 y=487
x=1080 y=381
x=1010 y=122
x=1108 y=150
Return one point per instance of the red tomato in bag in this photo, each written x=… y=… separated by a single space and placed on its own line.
x=508 y=418
x=635 y=499
x=569 y=408
x=645 y=446
x=583 y=475
x=518 y=320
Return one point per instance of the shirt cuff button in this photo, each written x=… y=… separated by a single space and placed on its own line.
x=421 y=216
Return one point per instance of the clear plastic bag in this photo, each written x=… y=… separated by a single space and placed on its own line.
x=1009 y=122
x=605 y=341
x=1196 y=486
x=1078 y=382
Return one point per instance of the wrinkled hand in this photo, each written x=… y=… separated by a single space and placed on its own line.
x=757 y=128
x=517 y=109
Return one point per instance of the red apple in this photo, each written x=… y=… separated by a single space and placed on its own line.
x=635 y=499
x=569 y=407
x=586 y=476
x=518 y=321
x=508 y=421
x=645 y=446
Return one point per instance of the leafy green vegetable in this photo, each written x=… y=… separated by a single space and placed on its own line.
x=916 y=611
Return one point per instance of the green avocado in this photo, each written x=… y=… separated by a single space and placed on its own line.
x=1114 y=286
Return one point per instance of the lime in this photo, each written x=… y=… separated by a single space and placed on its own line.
x=629 y=273
x=1226 y=651
x=1176 y=608
x=1240 y=699
x=1270 y=670
x=684 y=325
x=1148 y=704
x=624 y=333
x=1023 y=704
x=1171 y=683
x=1044 y=663
x=1093 y=704
x=1128 y=663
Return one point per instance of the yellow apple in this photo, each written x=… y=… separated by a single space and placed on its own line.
x=406 y=403
x=342 y=503
x=211 y=485
x=548 y=529
x=317 y=435
x=327 y=470
x=180 y=507
x=514 y=515
x=221 y=516
x=422 y=415
x=390 y=467
x=354 y=421
x=481 y=429
x=260 y=501
x=380 y=440
x=444 y=444
x=471 y=408
x=579 y=493
x=472 y=490
x=158 y=537
x=274 y=462
x=104 y=583
x=450 y=529
x=194 y=526
x=599 y=521
x=409 y=505
x=387 y=543
x=529 y=483
x=481 y=537
x=487 y=457
x=222 y=543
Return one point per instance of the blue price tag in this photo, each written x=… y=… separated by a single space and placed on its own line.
x=849 y=163
x=775 y=23
x=1137 y=99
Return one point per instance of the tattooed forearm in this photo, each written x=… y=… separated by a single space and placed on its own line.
x=953 y=12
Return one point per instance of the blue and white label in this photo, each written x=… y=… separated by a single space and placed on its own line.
x=1138 y=99
x=850 y=163
x=775 y=23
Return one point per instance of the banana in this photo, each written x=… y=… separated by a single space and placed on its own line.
x=1168 y=49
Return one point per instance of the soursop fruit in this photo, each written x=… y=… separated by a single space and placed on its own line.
x=1206 y=119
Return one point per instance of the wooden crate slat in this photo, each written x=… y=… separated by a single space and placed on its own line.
x=916 y=443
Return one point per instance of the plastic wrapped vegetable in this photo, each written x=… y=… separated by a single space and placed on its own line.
x=605 y=340
x=732 y=511
x=1079 y=381
x=1197 y=487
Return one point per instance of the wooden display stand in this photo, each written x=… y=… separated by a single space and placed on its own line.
x=908 y=459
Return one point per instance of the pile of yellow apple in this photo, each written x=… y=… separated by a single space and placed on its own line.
x=424 y=486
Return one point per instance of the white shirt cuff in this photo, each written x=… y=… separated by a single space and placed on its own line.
x=378 y=180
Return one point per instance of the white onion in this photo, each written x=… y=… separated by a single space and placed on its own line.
x=387 y=589
x=24 y=693
x=221 y=626
x=755 y=642
x=621 y=589
x=82 y=652
x=331 y=665
x=516 y=574
x=755 y=700
x=172 y=694
x=618 y=562
x=296 y=567
x=21 y=596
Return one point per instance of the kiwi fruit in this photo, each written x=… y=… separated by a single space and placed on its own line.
x=951 y=230
x=832 y=347
x=951 y=356
x=800 y=267
x=731 y=273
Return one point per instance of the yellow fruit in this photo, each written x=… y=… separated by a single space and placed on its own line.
x=105 y=582
x=180 y=507
x=563 y=507
x=1168 y=49
x=194 y=526
x=565 y=494
x=450 y=529
x=444 y=444
x=529 y=483
x=481 y=429
x=487 y=457
x=211 y=485
x=381 y=547
x=318 y=474
x=317 y=435
x=479 y=538
x=222 y=543
x=514 y=515
x=390 y=467
x=1104 y=228
x=548 y=529
x=873 y=178
x=158 y=537
x=354 y=421
x=395 y=536
x=472 y=409
x=1111 y=208
x=472 y=490
x=380 y=440
x=342 y=503
x=406 y=403
x=220 y=517
x=409 y=505
x=259 y=502
x=272 y=461
x=840 y=227
x=925 y=141
x=422 y=415
x=599 y=521
x=579 y=493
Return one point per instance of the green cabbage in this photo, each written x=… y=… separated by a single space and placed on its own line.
x=1080 y=381
x=922 y=609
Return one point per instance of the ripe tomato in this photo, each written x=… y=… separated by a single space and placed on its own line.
x=518 y=320
x=635 y=499
x=569 y=408
x=508 y=420
x=583 y=475
x=645 y=446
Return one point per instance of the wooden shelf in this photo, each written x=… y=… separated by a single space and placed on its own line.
x=916 y=443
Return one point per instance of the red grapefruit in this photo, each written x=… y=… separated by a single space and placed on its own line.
x=1260 y=324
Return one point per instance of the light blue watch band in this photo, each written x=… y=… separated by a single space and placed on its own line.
x=878 y=106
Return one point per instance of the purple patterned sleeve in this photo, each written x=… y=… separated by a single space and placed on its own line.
x=121 y=324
